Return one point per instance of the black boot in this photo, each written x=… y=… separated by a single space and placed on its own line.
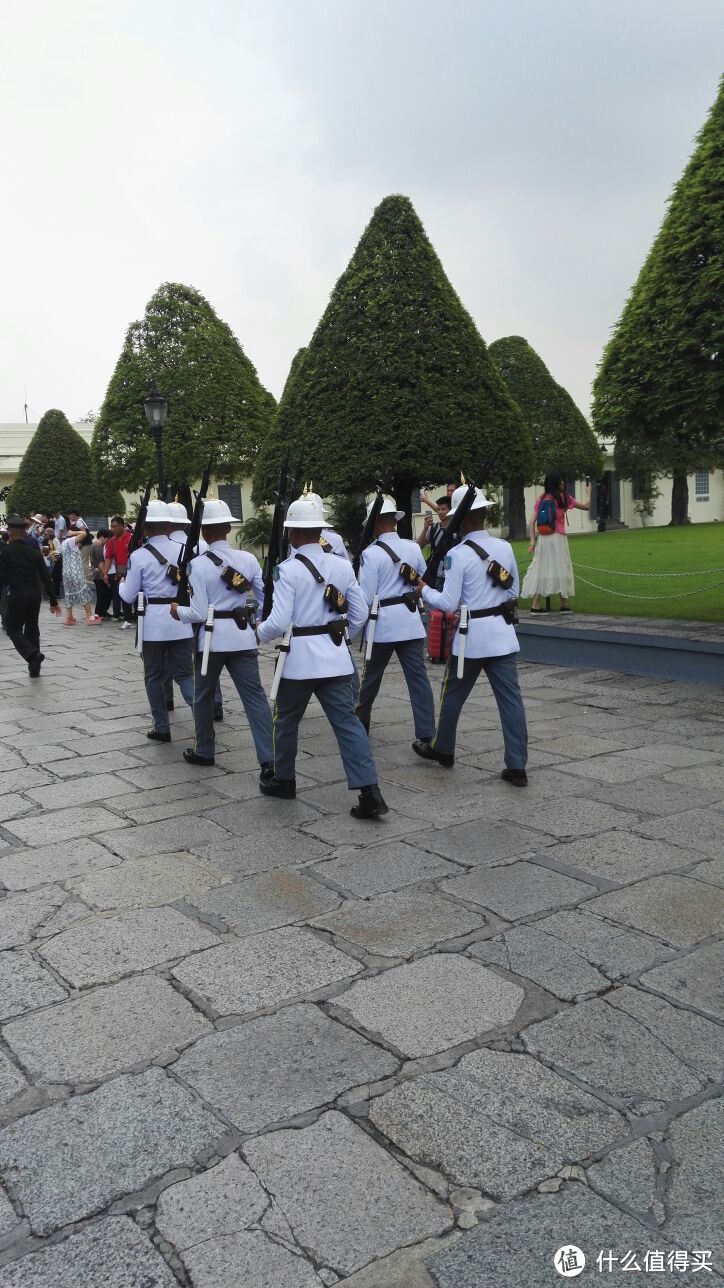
x=426 y=751
x=218 y=712
x=371 y=804
x=191 y=758
x=170 y=705
x=35 y=664
x=517 y=777
x=266 y=771
x=284 y=788
x=158 y=737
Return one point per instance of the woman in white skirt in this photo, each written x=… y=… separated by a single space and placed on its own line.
x=551 y=572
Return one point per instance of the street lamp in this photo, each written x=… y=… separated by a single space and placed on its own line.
x=156 y=409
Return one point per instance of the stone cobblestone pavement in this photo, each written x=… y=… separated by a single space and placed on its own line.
x=250 y=1044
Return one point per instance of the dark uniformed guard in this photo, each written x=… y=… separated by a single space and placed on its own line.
x=316 y=597
x=23 y=572
x=224 y=579
x=389 y=572
x=481 y=577
x=167 y=645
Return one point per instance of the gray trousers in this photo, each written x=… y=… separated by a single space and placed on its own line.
x=177 y=657
x=335 y=698
x=243 y=667
x=502 y=674
x=412 y=660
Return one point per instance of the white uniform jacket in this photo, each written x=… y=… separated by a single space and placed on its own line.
x=207 y=588
x=147 y=574
x=334 y=540
x=299 y=599
x=380 y=576
x=467 y=582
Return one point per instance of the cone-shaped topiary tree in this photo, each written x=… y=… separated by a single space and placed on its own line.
x=396 y=377
x=217 y=409
x=56 y=473
x=659 y=390
x=561 y=436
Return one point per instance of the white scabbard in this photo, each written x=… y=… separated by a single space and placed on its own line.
x=462 y=636
x=283 y=650
x=371 y=623
x=209 y=628
x=141 y=610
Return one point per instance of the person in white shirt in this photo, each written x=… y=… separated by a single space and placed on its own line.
x=389 y=571
x=315 y=597
x=166 y=643
x=225 y=579
x=481 y=573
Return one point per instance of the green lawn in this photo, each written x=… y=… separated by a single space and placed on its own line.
x=649 y=551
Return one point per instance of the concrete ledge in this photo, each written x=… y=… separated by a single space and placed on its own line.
x=617 y=647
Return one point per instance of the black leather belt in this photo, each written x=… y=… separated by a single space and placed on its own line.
x=409 y=600
x=158 y=600
x=329 y=628
x=499 y=611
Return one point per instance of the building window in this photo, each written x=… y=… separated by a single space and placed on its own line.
x=701 y=485
x=231 y=493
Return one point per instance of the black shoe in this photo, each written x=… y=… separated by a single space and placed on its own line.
x=35 y=664
x=170 y=705
x=371 y=804
x=191 y=758
x=566 y=608
x=218 y=712
x=266 y=771
x=427 y=752
x=284 y=788
x=539 y=610
x=517 y=777
x=158 y=737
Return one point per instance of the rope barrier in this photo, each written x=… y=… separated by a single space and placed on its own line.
x=617 y=572
x=622 y=594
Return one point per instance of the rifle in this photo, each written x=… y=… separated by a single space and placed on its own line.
x=137 y=535
x=448 y=540
x=276 y=536
x=192 y=539
x=368 y=530
x=294 y=493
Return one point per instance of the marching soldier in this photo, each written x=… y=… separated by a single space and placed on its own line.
x=167 y=645
x=180 y=524
x=223 y=578
x=315 y=598
x=22 y=573
x=480 y=574
x=389 y=572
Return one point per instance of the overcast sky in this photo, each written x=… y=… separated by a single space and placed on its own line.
x=240 y=146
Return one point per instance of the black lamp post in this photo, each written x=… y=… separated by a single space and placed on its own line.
x=156 y=409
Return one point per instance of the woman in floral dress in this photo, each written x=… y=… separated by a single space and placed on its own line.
x=78 y=587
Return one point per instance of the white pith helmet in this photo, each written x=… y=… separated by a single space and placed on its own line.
x=177 y=514
x=388 y=507
x=481 y=501
x=217 y=512
x=157 y=512
x=305 y=512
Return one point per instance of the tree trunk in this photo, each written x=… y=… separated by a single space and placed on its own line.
x=403 y=500
x=517 y=526
x=679 y=499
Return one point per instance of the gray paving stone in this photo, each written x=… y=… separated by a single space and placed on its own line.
x=165 y=837
x=105 y=1031
x=432 y=1004
x=342 y=829
x=497 y=1121
x=608 y=1049
x=264 y=970
x=496 y=842
x=615 y=950
x=518 y=889
x=95 y=787
x=72 y=1160
x=223 y=1200
x=111 y=1253
x=698 y=829
x=711 y=871
x=556 y=966
x=22 y=915
x=623 y=856
x=278 y=1066
x=700 y=778
x=143 y=883
x=267 y=900
x=79 y=765
x=650 y=796
x=628 y=1178
x=693 y=1039
x=19 y=780
x=674 y=755
x=24 y=985
x=246 y=855
x=263 y=815
x=149 y=777
x=611 y=769
x=517 y=1244
x=680 y=911
x=249 y=1257
x=572 y=816
x=384 y=867
x=23 y=869
x=11 y=1225
x=581 y=746
x=695 y=1201
x=342 y=1194
x=12 y=1081
x=103 y=949
x=696 y=980
x=62 y=825
x=13 y=805
x=394 y=925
